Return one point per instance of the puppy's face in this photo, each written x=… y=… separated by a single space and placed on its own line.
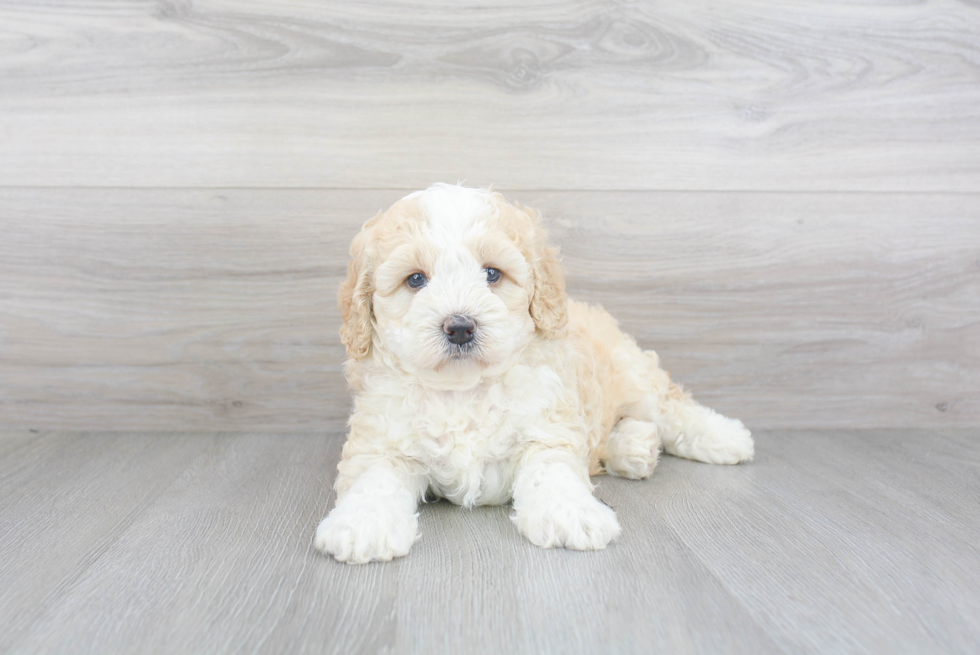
x=449 y=284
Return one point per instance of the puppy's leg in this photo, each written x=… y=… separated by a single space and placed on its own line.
x=375 y=519
x=696 y=432
x=633 y=449
x=554 y=505
x=686 y=428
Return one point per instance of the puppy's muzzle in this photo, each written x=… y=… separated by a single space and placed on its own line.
x=459 y=329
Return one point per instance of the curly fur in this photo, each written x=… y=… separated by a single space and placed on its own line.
x=550 y=392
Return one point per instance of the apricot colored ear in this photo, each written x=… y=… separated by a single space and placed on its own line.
x=354 y=297
x=549 y=302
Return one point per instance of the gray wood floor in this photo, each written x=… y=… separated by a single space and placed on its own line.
x=830 y=541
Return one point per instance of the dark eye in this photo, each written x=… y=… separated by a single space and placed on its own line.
x=416 y=280
x=492 y=275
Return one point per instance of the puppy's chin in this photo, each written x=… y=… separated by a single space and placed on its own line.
x=457 y=374
x=459 y=368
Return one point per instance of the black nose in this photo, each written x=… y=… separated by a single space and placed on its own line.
x=459 y=329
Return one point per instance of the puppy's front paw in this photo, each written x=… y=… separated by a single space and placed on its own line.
x=580 y=521
x=358 y=534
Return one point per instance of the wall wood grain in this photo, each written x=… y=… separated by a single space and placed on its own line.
x=589 y=94
x=215 y=309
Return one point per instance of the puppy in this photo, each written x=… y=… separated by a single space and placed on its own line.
x=477 y=380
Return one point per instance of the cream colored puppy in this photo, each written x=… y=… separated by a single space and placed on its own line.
x=477 y=380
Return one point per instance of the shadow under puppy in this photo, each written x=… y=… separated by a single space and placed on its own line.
x=477 y=379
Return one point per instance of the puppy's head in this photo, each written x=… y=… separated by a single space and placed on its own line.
x=450 y=283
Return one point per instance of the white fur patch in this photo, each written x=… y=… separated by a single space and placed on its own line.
x=454 y=210
x=706 y=436
x=376 y=521
x=554 y=507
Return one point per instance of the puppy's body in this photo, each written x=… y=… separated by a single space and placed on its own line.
x=546 y=391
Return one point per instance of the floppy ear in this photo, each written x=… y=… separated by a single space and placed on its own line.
x=354 y=298
x=549 y=303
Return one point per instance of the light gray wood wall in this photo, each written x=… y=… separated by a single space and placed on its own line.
x=595 y=94
x=783 y=199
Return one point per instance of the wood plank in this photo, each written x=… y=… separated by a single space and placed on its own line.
x=64 y=500
x=830 y=541
x=834 y=558
x=214 y=309
x=473 y=583
x=180 y=310
x=13 y=440
x=593 y=94
x=223 y=562
x=792 y=310
x=933 y=477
